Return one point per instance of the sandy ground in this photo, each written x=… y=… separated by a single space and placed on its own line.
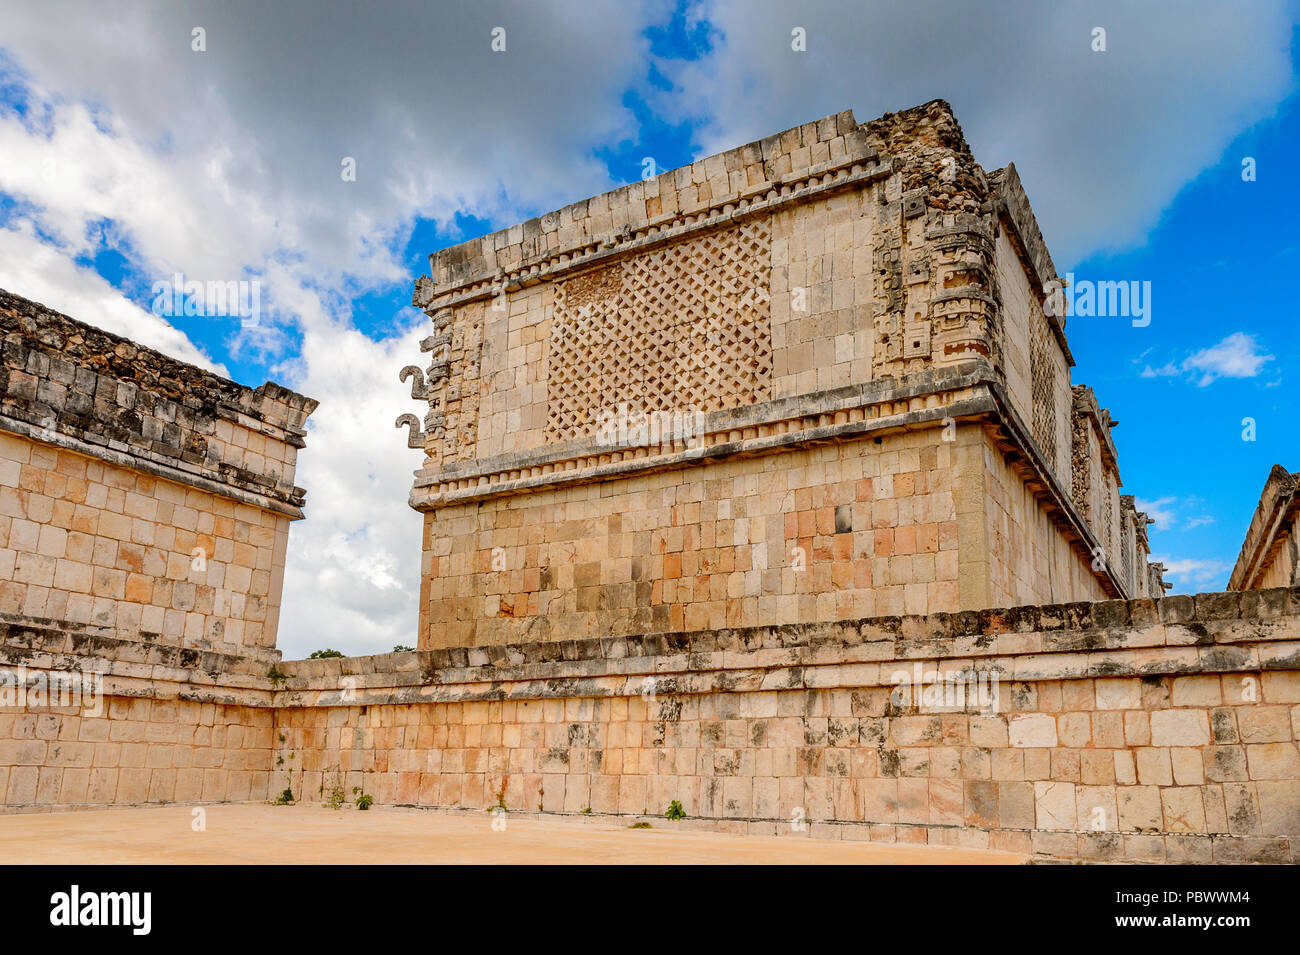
x=255 y=834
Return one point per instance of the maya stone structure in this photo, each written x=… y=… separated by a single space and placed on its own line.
x=726 y=475
x=1270 y=554
x=144 y=510
x=139 y=493
x=808 y=379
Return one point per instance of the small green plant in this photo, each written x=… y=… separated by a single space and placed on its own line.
x=277 y=678
x=586 y=810
x=337 y=796
x=500 y=803
x=285 y=798
x=324 y=654
x=674 y=811
x=364 y=800
x=640 y=825
x=402 y=649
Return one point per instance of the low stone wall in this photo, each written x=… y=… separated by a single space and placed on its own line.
x=144 y=723
x=1147 y=730
x=1142 y=730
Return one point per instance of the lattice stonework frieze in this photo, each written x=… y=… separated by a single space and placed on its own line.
x=1126 y=550
x=682 y=328
x=1104 y=532
x=1081 y=454
x=1043 y=387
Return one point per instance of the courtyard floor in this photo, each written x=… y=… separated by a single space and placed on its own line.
x=258 y=834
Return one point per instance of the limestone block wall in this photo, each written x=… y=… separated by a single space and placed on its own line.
x=1141 y=730
x=744 y=290
x=136 y=723
x=141 y=751
x=824 y=295
x=1036 y=361
x=1120 y=730
x=138 y=493
x=823 y=533
x=1028 y=559
x=1095 y=473
x=909 y=522
x=1019 y=302
x=91 y=542
x=69 y=383
x=889 y=513
x=1142 y=569
x=792 y=265
x=1127 y=556
x=1285 y=569
x=1087 y=461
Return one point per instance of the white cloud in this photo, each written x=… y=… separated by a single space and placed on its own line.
x=211 y=162
x=1193 y=575
x=353 y=573
x=1237 y=356
x=1161 y=511
x=1168 y=370
x=1165 y=512
x=82 y=168
x=45 y=273
x=1102 y=141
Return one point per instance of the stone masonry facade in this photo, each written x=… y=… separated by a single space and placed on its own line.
x=1139 y=730
x=851 y=319
x=140 y=494
x=776 y=613
x=1161 y=730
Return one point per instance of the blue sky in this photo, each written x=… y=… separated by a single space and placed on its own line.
x=1221 y=261
x=123 y=161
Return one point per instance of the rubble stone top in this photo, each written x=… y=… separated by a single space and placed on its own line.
x=68 y=383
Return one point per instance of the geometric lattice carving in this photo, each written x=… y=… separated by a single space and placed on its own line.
x=1081 y=454
x=1127 y=542
x=1042 y=371
x=685 y=327
x=1106 y=532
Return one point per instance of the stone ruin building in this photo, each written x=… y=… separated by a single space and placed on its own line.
x=142 y=496
x=729 y=480
x=854 y=316
x=1270 y=555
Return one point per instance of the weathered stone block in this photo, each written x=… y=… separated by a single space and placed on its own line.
x=1032 y=730
x=1188 y=727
